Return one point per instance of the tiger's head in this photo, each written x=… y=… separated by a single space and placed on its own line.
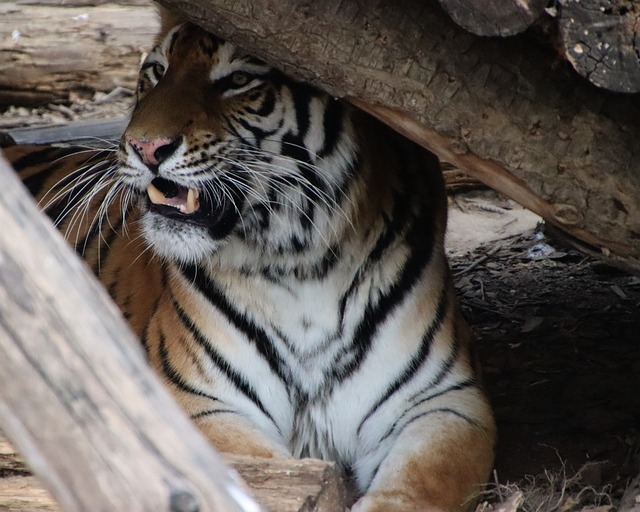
x=222 y=147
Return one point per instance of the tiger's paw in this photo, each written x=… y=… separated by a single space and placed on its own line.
x=393 y=502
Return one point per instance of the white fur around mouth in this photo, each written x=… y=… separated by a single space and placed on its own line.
x=183 y=199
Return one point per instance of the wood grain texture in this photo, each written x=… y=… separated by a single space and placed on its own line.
x=511 y=107
x=49 y=52
x=25 y=494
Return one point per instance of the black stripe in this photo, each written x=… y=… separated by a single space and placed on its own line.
x=440 y=410
x=458 y=386
x=414 y=365
x=444 y=369
x=267 y=106
x=302 y=95
x=433 y=411
x=251 y=331
x=37 y=157
x=211 y=412
x=313 y=186
x=223 y=365
x=48 y=157
x=172 y=374
x=144 y=340
x=105 y=240
x=154 y=309
x=66 y=204
x=420 y=239
x=74 y=195
x=256 y=131
x=332 y=122
x=418 y=231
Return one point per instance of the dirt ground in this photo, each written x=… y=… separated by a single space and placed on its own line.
x=558 y=339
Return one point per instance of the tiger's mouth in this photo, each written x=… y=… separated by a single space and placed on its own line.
x=177 y=202
x=164 y=193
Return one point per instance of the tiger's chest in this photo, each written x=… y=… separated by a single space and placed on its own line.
x=307 y=323
x=290 y=339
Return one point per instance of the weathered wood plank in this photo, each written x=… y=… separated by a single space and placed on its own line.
x=49 y=52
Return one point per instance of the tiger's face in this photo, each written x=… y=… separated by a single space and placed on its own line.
x=223 y=147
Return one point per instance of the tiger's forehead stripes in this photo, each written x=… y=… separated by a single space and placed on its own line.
x=187 y=42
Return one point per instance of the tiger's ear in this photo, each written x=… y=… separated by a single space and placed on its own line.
x=168 y=20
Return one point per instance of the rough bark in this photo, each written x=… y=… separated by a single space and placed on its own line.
x=76 y=395
x=49 y=52
x=494 y=17
x=508 y=112
x=601 y=39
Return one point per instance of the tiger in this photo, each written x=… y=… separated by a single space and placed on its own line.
x=280 y=256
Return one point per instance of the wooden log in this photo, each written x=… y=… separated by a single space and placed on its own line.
x=10 y=462
x=600 y=39
x=25 y=494
x=279 y=485
x=507 y=108
x=494 y=17
x=48 y=52
x=76 y=395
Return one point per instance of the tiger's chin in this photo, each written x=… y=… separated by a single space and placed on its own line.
x=178 y=240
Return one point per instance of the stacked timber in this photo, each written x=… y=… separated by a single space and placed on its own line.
x=51 y=52
x=598 y=37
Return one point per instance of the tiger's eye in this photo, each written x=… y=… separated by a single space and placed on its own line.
x=158 y=70
x=239 y=79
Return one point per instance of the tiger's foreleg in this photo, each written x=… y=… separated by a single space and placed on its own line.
x=232 y=434
x=438 y=462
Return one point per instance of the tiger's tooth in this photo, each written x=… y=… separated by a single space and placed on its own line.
x=192 y=201
x=155 y=195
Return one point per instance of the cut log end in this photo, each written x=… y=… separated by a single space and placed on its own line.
x=599 y=39
x=494 y=17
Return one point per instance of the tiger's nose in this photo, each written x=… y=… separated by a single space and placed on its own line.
x=154 y=151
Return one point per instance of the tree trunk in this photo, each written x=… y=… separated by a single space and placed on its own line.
x=507 y=111
x=49 y=52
